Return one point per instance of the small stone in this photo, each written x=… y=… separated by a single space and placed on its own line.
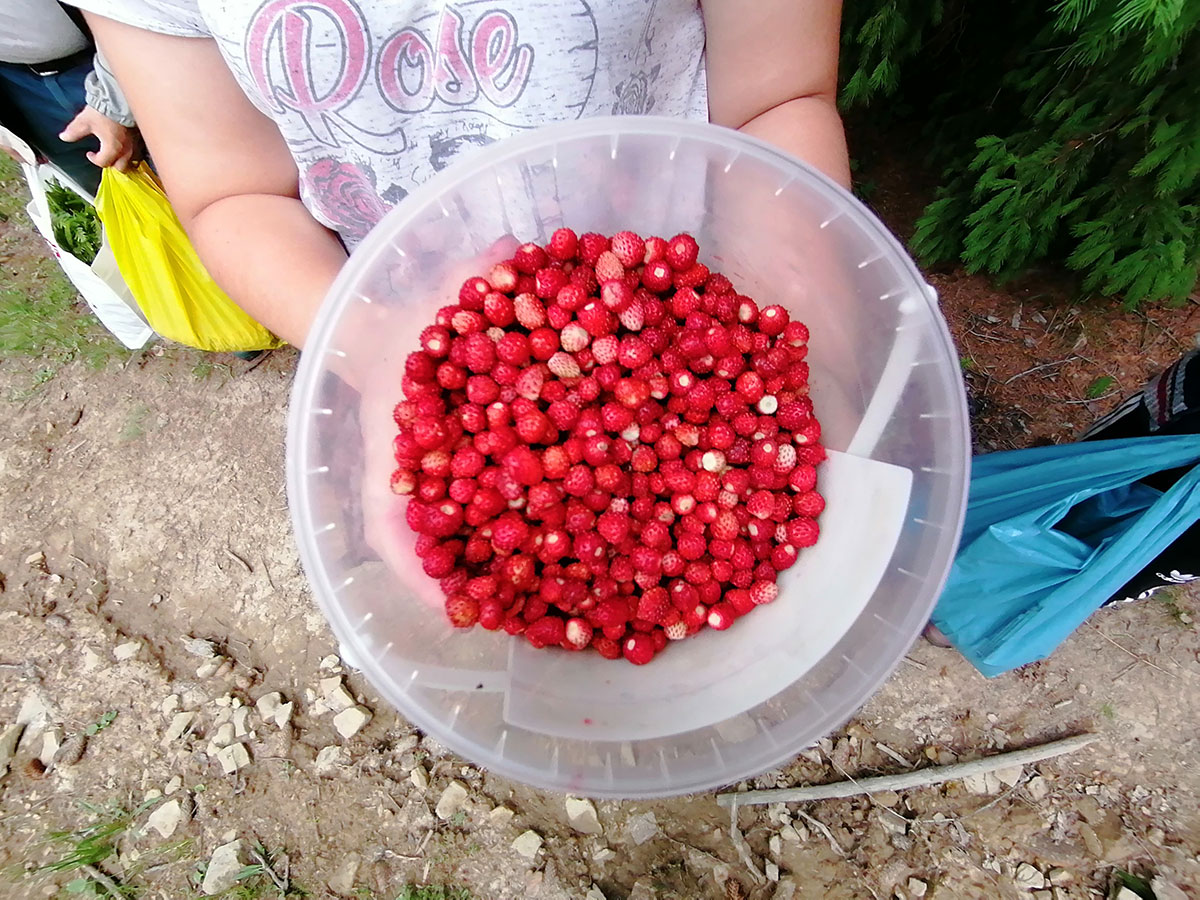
x=1091 y=840
x=342 y=880
x=173 y=785
x=500 y=816
x=772 y=871
x=1043 y=895
x=643 y=889
x=36 y=560
x=775 y=845
x=335 y=694
x=916 y=887
x=785 y=890
x=582 y=816
x=604 y=854
x=527 y=844
x=166 y=818
x=1028 y=878
x=642 y=828
x=268 y=705
x=1038 y=788
x=223 y=868
x=34 y=714
x=1126 y=894
x=170 y=705
x=91 y=660
x=127 y=650
x=223 y=736
x=790 y=834
x=419 y=778
x=8 y=746
x=451 y=801
x=987 y=783
x=594 y=893
x=886 y=798
x=224 y=701
x=50 y=747
x=233 y=757
x=1011 y=775
x=404 y=744
x=891 y=822
x=199 y=647
x=1058 y=876
x=179 y=724
x=330 y=662
x=350 y=721
x=330 y=758
x=207 y=669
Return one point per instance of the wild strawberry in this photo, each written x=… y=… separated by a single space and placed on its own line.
x=543 y=343
x=482 y=390
x=571 y=297
x=513 y=348
x=578 y=634
x=529 y=383
x=763 y=592
x=721 y=616
x=615 y=417
x=656 y=249
x=747 y=311
x=785 y=458
x=608 y=267
x=523 y=465
x=403 y=482
x=604 y=349
x=563 y=365
x=480 y=353
x=473 y=292
x=632 y=392
x=810 y=454
x=562 y=245
x=740 y=600
x=802 y=478
x=546 y=631
x=606 y=647
x=529 y=310
x=508 y=532
x=683 y=303
x=764 y=453
x=750 y=386
x=803 y=532
x=420 y=366
x=548 y=282
x=657 y=277
x=809 y=504
x=462 y=611
x=654 y=605
x=808 y=433
x=681 y=252
x=773 y=320
x=638 y=649
x=596 y=319
x=692 y=277
x=557 y=317
x=578 y=480
x=528 y=258
x=633 y=352
x=574 y=337
x=591 y=245
x=676 y=631
x=491 y=613
x=503 y=277
x=584 y=276
x=633 y=317
x=783 y=557
x=628 y=248
x=616 y=296
x=466 y=321
x=761 y=504
x=613 y=527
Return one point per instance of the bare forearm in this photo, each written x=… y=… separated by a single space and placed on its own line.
x=272 y=258
x=810 y=128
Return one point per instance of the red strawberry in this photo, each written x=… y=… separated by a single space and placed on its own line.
x=571 y=297
x=546 y=631
x=466 y=321
x=633 y=317
x=638 y=649
x=803 y=532
x=591 y=245
x=503 y=277
x=529 y=311
x=608 y=267
x=721 y=616
x=761 y=504
x=513 y=348
x=763 y=592
x=809 y=504
x=740 y=600
x=613 y=527
x=633 y=352
x=681 y=252
x=549 y=282
x=596 y=319
x=472 y=293
x=607 y=647
x=692 y=277
x=563 y=245
x=654 y=605
x=479 y=354
x=616 y=295
x=528 y=258
x=585 y=277
x=683 y=303
x=578 y=634
x=403 y=482
x=657 y=277
x=462 y=611
x=810 y=454
x=773 y=320
x=784 y=556
x=523 y=465
x=498 y=309
x=508 y=532
x=802 y=478
x=557 y=317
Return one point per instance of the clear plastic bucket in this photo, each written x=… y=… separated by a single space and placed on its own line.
x=885 y=383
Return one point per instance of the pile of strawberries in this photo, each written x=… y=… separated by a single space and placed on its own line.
x=606 y=445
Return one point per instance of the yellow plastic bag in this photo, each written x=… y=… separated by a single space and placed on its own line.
x=175 y=292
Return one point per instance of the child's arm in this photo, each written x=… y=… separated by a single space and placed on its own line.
x=772 y=72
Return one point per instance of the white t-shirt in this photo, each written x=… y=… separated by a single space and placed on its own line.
x=37 y=31
x=374 y=96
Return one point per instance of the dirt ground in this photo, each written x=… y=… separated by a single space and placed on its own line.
x=150 y=593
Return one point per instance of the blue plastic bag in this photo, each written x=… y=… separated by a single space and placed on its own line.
x=1050 y=533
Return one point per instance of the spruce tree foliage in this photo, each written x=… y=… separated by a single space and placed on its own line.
x=1067 y=129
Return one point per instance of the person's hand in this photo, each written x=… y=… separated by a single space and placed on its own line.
x=117 y=143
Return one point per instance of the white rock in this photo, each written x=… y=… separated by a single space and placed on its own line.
x=419 y=778
x=50 y=745
x=207 y=669
x=1028 y=878
x=173 y=785
x=1058 y=876
x=527 y=844
x=223 y=736
x=330 y=758
x=642 y=828
x=34 y=713
x=233 y=758
x=581 y=813
x=240 y=727
x=790 y=834
x=127 y=650
x=179 y=724
x=594 y=893
x=342 y=881
x=170 y=705
x=1011 y=775
x=91 y=660
x=272 y=708
x=775 y=845
x=987 y=783
x=200 y=647
x=223 y=868
x=1038 y=788
x=350 y=721
x=604 y=854
x=166 y=818
x=891 y=822
x=330 y=662
x=772 y=871
x=451 y=800
x=500 y=816
x=152 y=794
x=335 y=694
x=1126 y=894
x=917 y=887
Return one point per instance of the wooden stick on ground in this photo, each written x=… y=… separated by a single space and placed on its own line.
x=919 y=778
